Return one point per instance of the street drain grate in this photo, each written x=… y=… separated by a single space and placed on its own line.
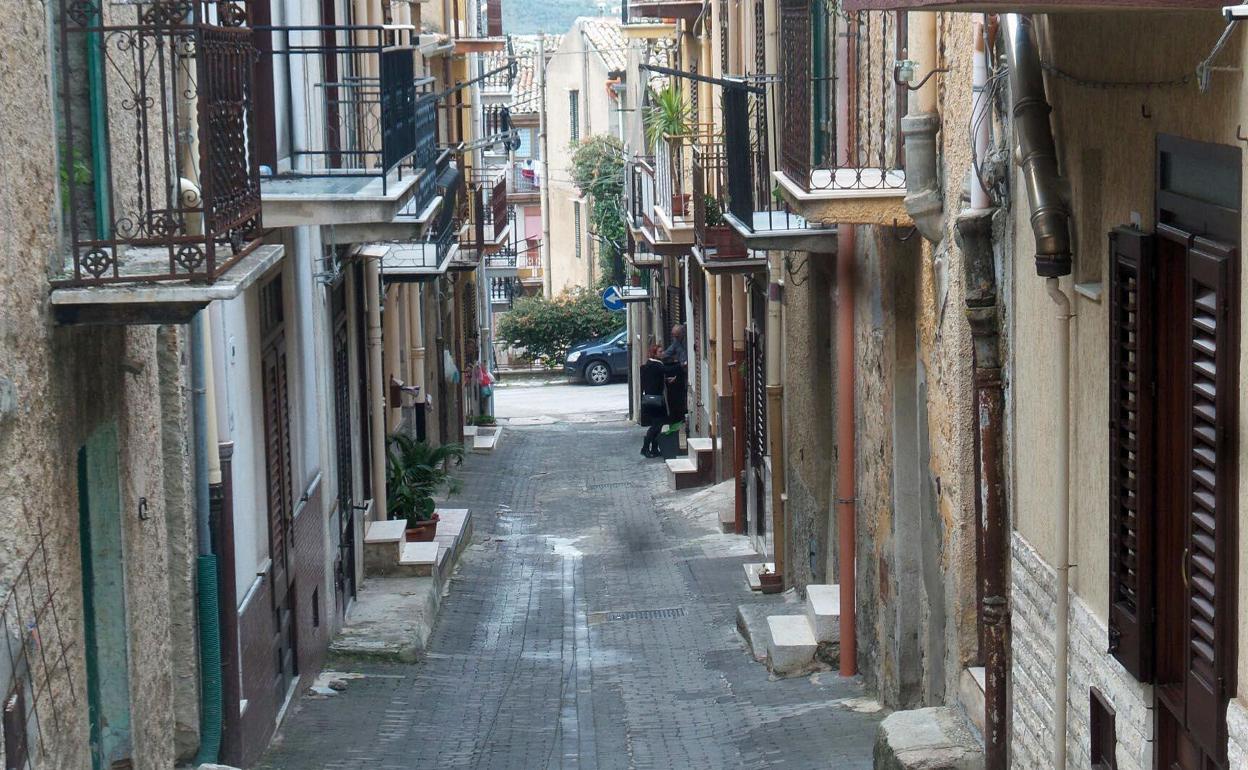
x=663 y=614
x=610 y=485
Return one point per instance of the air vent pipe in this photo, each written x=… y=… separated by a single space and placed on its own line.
x=1037 y=152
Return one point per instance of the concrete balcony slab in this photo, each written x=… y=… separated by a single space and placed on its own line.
x=290 y=200
x=849 y=196
x=159 y=302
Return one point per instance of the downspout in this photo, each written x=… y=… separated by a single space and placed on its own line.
x=1050 y=222
x=231 y=695
x=416 y=338
x=738 y=401
x=846 y=419
x=919 y=127
x=1037 y=152
x=206 y=564
x=975 y=238
x=547 y=283
x=775 y=404
x=376 y=385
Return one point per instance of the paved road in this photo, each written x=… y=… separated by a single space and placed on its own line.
x=527 y=670
x=560 y=402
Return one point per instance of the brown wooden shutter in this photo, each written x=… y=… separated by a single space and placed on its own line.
x=277 y=457
x=1210 y=462
x=1132 y=416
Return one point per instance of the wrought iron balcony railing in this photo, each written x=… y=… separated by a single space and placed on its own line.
x=712 y=232
x=503 y=290
x=524 y=179
x=159 y=174
x=673 y=168
x=360 y=110
x=754 y=203
x=840 y=130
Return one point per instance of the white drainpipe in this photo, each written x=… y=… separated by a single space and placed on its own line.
x=1062 y=484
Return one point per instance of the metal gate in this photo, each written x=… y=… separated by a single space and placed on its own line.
x=756 y=419
x=344 y=565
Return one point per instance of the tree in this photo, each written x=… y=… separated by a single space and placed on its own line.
x=598 y=173
x=546 y=328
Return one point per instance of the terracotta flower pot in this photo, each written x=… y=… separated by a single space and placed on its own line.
x=770 y=582
x=724 y=241
x=424 y=531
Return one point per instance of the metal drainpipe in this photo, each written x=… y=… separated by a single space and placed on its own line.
x=1062 y=482
x=846 y=419
x=1050 y=223
x=376 y=384
x=924 y=201
x=775 y=406
x=975 y=238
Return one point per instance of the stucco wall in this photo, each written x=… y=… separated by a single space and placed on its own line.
x=1107 y=147
x=67 y=382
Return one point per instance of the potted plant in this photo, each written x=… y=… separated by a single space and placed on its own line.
x=667 y=118
x=770 y=582
x=720 y=235
x=415 y=472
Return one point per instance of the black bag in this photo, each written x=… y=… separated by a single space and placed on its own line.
x=653 y=400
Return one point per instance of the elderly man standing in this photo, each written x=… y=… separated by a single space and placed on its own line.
x=677 y=347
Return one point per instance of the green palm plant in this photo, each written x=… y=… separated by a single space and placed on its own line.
x=415 y=472
x=667 y=115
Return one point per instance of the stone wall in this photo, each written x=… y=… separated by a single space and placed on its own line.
x=1032 y=587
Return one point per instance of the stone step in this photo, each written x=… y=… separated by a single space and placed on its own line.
x=486 y=439
x=383 y=546
x=971 y=693
x=823 y=609
x=791 y=648
x=727 y=519
x=698 y=444
x=753 y=627
x=684 y=473
x=454 y=529
x=927 y=739
x=419 y=560
x=751 y=573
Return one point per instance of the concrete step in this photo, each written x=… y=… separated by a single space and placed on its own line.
x=927 y=739
x=753 y=627
x=684 y=473
x=791 y=648
x=698 y=444
x=727 y=519
x=751 y=573
x=485 y=439
x=454 y=529
x=418 y=560
x=383 y=546
x=971 y=694
x=823 y=609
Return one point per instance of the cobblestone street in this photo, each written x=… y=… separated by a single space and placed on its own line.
x=590 y=624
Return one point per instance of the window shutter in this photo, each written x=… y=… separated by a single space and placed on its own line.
x=1209 y=566
x=277 y=458
x=1132 y=374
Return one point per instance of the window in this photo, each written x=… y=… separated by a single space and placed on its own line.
x=525 y=148
x=576 y=227
x=574 y=115
x=1103 y=738
x=1173 y=323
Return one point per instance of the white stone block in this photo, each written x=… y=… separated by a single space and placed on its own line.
x=823 y=609
x=792 y=644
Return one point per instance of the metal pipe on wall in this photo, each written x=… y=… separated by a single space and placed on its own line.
x=376 y=383
x=1062 y=481
x=975 y=238
x=775 y=404
x=846 y=494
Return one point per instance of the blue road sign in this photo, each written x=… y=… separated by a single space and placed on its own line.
x=611 y=298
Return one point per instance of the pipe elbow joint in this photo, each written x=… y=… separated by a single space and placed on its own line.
x=923 y=201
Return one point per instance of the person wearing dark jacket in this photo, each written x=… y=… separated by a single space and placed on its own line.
x=653 y=400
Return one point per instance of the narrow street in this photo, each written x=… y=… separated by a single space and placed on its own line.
x=590 y=624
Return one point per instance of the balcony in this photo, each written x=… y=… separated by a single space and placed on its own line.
x=640 y=256
x=503 y=292
x=673 y=175
x=359 y=132
x=524 y=184
x=842 y=161
x=717 y=246
x=160 y=183
x=754 y=207
x=433 y=254
x=689 y=10
x=634 y=25
x=643 y=210
x=486 y=222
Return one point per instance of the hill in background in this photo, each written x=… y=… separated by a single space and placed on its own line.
x=528 y=17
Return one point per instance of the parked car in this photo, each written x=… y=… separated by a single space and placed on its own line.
x=597 y=361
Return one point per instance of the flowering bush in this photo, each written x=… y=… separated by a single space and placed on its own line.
x=546 y=328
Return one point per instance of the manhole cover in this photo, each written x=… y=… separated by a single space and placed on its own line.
x=663 y=614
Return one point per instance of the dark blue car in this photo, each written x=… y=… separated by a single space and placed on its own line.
x=597 y=361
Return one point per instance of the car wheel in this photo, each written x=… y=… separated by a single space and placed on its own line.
x=597 y=373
